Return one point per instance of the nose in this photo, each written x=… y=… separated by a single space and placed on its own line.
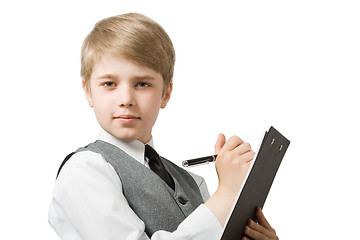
x=126 y=97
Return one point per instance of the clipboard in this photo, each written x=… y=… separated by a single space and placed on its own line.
x=258 y=183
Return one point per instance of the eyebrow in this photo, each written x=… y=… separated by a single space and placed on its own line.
x=139 y=77
x=147 y=77
x=111 y=76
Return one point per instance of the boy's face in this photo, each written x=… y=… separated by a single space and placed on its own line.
x=126 y=97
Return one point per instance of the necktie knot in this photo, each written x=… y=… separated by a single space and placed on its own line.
x=150 y=153
x=157 y=166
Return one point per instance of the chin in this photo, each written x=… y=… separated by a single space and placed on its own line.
x=126 y=136
x=129 y=135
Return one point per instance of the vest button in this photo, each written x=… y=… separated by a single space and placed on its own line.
x=182 y=200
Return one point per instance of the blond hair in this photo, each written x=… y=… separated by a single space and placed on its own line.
x=133 y=36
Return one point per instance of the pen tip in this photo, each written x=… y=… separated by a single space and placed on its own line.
x=185 y=163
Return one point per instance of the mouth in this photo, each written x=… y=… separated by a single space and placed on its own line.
x=127 y=118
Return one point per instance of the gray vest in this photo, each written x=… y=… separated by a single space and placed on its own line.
x=153 y=201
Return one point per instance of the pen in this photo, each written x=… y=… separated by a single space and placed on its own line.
x=197 y=161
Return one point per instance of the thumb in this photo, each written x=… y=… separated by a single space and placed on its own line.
x=221 y=140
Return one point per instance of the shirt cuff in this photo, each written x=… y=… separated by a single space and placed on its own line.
x=202 y=224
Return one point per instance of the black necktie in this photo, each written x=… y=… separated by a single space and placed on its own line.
x=157 y=166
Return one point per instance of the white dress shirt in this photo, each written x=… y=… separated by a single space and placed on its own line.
x=88 y=202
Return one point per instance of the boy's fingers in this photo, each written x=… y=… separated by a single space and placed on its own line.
x=233 y=143
x=262 y=220
x=257 y=231
x=263 y=230
x=243 y=148
x=247 y=157
x=221 y=140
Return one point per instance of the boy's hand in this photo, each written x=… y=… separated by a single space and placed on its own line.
x=232 y=162
x=261 y=230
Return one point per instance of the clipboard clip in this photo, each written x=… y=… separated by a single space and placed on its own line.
x=272 y=142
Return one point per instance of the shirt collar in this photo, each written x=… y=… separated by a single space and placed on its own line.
x=135 y=148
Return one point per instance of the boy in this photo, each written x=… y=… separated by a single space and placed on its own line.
x=118 y=187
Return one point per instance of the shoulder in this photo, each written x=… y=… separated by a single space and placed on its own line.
x=198 y=179
x=86 y=166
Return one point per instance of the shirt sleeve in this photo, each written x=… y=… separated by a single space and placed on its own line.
x=88 y=204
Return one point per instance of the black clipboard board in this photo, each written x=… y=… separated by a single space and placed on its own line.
x=257 y=184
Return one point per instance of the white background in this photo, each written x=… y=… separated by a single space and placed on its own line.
x=241 y=67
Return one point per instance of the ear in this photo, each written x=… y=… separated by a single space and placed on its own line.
x=167 y=95
x=87 y=93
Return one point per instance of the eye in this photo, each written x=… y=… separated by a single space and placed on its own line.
x=142 y=85
x=109 y=84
